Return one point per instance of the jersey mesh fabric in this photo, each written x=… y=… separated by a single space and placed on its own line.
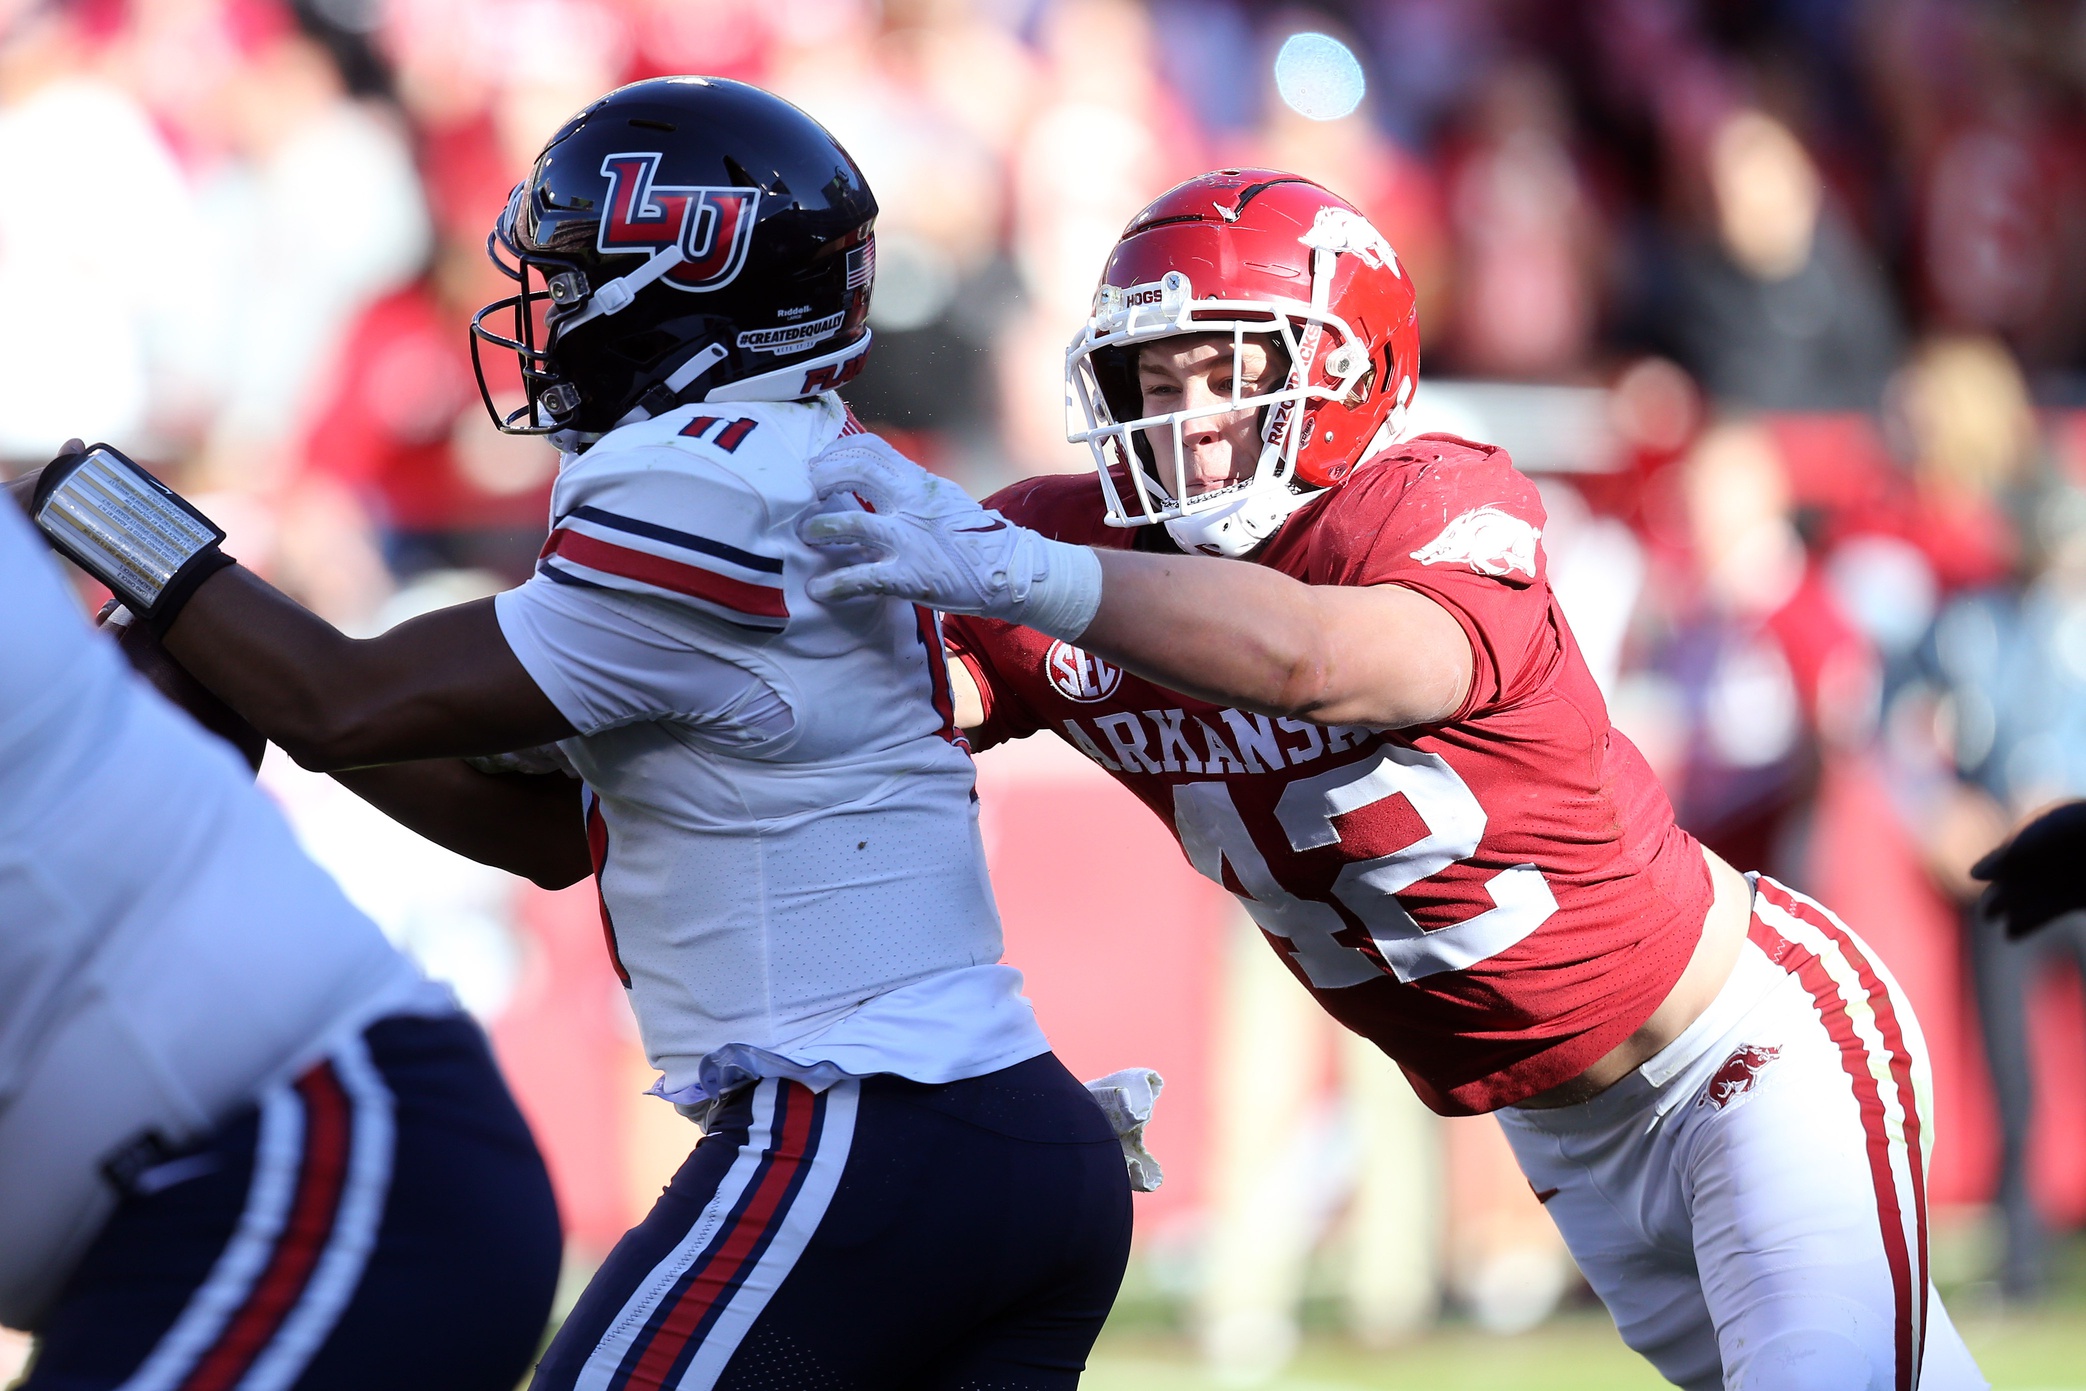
x=787 y=848
x=1528 y=779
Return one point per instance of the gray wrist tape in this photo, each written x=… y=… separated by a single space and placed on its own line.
x=122 y=526
x=1063 y=600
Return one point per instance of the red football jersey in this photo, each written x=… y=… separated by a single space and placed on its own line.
x=1496 y=901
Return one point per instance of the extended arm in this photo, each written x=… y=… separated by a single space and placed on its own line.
x=1225 y=630
x=526 y=824
x=445 y=684
x=1239 y=634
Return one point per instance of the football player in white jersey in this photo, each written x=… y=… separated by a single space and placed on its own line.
x=898 y=1185
x=243 y=1142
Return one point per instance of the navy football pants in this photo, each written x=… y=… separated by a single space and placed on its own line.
x=879 y=1234
x=384 y=1221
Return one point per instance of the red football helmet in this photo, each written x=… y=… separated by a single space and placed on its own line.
x=1251 y=253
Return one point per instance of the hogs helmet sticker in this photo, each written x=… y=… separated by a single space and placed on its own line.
x=713 y=225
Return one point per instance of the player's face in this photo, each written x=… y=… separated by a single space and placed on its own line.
x=1197 y=374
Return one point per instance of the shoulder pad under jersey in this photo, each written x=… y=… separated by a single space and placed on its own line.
x=689 y=508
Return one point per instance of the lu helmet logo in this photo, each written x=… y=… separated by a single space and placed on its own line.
x=1078 y=675
x=713 y=225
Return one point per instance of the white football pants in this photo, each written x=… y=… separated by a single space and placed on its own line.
x=1750 y=1204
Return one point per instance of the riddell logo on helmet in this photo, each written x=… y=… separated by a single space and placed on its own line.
x=712 y=225
x=1080 y=675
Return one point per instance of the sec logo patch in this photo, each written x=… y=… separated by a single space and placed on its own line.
x=1079 y=675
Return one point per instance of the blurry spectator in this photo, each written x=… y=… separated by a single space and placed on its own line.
x=1286 y=1159
x=1107 y=138
x=320 y=213
x=1528 y=240
x=403 y=427
x=100 y=245
x=1396 y=189
x=2004 y=694
x=1962 y=410
x=1778 y=307
x=1428 y=52
x=1987 y=141
x=943 y=285
x=1754 y=666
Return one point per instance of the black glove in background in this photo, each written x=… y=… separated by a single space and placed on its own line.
x=2038 y=875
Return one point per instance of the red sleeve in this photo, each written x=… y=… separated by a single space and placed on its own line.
x=1457 y=523
x=970 y=641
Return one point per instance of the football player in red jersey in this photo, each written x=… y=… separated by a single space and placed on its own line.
x=1330 y=659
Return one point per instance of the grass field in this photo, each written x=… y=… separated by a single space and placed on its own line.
x=2040 y=1351
x=2037 y=1349
x=2042 y=1348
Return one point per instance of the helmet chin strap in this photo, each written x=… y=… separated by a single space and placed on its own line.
x=1240 y=525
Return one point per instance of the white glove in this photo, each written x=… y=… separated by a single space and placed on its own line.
x=926 y=540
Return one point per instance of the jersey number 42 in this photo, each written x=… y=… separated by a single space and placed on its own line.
x=1213 y=834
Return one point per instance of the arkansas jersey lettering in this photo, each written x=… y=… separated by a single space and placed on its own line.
x=712 y=225
x=1173 y=741
x=1495 y=901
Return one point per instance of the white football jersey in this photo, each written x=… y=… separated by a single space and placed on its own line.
x=781 y=810
x=143 y=877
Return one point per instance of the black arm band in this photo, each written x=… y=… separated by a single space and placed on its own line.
x=182 y=588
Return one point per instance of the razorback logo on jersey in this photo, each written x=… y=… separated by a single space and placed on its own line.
x=1739 y=1074
x=712 y=225
x=1488 y=540
x=1078 y=675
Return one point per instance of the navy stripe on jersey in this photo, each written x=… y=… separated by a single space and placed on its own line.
x=766 y=563
x=606 y=550
x=552 y=572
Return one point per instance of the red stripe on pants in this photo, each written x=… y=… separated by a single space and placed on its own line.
x=320 y=1180
x=1805 y=965
x=735 y=1247
x=1900 y=1070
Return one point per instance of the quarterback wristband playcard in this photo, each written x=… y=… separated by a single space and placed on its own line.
x=121 y=525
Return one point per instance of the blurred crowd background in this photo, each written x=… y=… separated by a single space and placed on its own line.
x=1783 y=300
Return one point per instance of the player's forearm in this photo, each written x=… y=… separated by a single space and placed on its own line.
x=1243 y=635
x=526 y=824
x=442 y=685
x=282 y=667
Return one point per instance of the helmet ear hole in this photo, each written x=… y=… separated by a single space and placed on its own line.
x=1359 y=392
x=646 y=349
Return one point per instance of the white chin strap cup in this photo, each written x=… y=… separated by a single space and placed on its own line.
x=1239 y=526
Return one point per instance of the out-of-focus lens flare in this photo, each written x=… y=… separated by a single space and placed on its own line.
x=1318 y=76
